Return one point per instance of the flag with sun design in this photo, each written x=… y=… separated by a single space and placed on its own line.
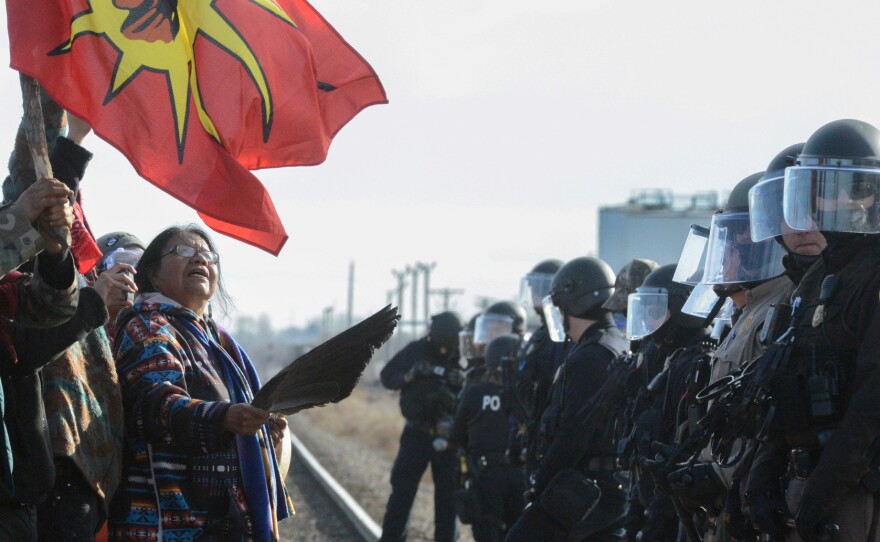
x=197 y=93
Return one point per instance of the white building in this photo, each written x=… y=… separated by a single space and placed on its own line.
x=653 y=224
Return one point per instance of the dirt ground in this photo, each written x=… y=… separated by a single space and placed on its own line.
x=357 y=441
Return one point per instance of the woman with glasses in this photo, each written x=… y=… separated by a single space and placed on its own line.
x=199 y=461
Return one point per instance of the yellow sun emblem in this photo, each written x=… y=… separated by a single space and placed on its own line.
x=158 y=36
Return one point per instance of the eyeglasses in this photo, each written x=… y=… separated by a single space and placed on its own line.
x=187 y=251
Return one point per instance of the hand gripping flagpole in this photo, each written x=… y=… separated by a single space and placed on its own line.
x=36 y=138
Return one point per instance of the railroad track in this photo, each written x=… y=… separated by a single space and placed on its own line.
x=348 y=522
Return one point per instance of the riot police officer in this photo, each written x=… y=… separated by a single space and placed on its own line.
x=827 y=405
x=429 y=378
x=501 y=318
x=630 y=277
x=575 y=450
x=803 y=248
x=671 y=365
x=480 y=428
x=540 y=359
x=763 y=489
x=752 y=275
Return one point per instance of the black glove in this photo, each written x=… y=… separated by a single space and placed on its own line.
x=422 y=367
x=766 y=510
x=658 y=467
x=698 y=484
x=811 y=522
x=454 y=377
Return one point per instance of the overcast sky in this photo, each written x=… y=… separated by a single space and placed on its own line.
x=509 y=124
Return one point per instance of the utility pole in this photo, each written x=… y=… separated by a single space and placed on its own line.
x=446 y=294
x=327 y=322
x=414 y=270
x=348 y=313
x=426 y=269
x=401 y=284
x=389 y=299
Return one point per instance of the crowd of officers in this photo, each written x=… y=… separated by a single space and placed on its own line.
x=732 y=395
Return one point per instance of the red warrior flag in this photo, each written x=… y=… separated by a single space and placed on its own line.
x=197 y=93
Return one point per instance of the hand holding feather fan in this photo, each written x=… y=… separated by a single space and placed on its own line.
x=329 y=372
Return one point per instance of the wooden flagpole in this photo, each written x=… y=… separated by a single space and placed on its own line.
x=36 y=138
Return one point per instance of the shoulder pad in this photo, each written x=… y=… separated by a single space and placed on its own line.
x=613 y=341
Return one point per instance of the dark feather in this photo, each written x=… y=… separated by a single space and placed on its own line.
x=329 y=372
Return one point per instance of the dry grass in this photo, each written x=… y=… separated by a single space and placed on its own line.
x=369 y=416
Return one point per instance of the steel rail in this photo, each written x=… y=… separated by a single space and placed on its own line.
x=360 y=520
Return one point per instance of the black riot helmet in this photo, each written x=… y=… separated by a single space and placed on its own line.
x=516 y=313
x=501 y=348
x=732 y=258
x=834 y=186
x=738 y=199
x=581 y=286
x=444 y=330
x=548 y=266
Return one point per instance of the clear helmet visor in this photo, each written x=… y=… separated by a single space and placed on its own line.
x=702 y=300
x=491 y=326
x=765 y=209
x=533 y=288
x=732 y=257
x=555 y=322
x=466 y=344
x=693 y=257
x=646 y=312
x=821 y=198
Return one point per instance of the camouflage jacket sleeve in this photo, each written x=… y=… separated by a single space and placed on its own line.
x=41 y=304
x=19 y=241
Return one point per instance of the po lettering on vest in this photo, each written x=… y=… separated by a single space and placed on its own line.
x=491 y=401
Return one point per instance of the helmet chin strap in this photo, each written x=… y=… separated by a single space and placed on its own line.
x=722 y=297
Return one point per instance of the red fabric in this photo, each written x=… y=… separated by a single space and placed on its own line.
x=139 y=118
x=85 y=250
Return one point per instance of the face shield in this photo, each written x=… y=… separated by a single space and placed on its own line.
x=130 y=255
x=765 y=209
x=702 y=300
x=555 y=320
x=648 y=309
x=821 y=198
x=691 y=263
x=466 y=344
x=732 y=257
x=491 y=326
x=533 y=288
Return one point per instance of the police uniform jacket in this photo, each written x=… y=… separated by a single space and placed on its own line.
x=843 y=334
x=427 y=397
x=742 y=344
x=481 y=421
x=569 y=433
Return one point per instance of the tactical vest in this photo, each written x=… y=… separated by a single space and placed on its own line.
x=812 y=393
x=612 y=341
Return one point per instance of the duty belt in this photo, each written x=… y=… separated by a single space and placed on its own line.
x=607 y=463
x=491 y=460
